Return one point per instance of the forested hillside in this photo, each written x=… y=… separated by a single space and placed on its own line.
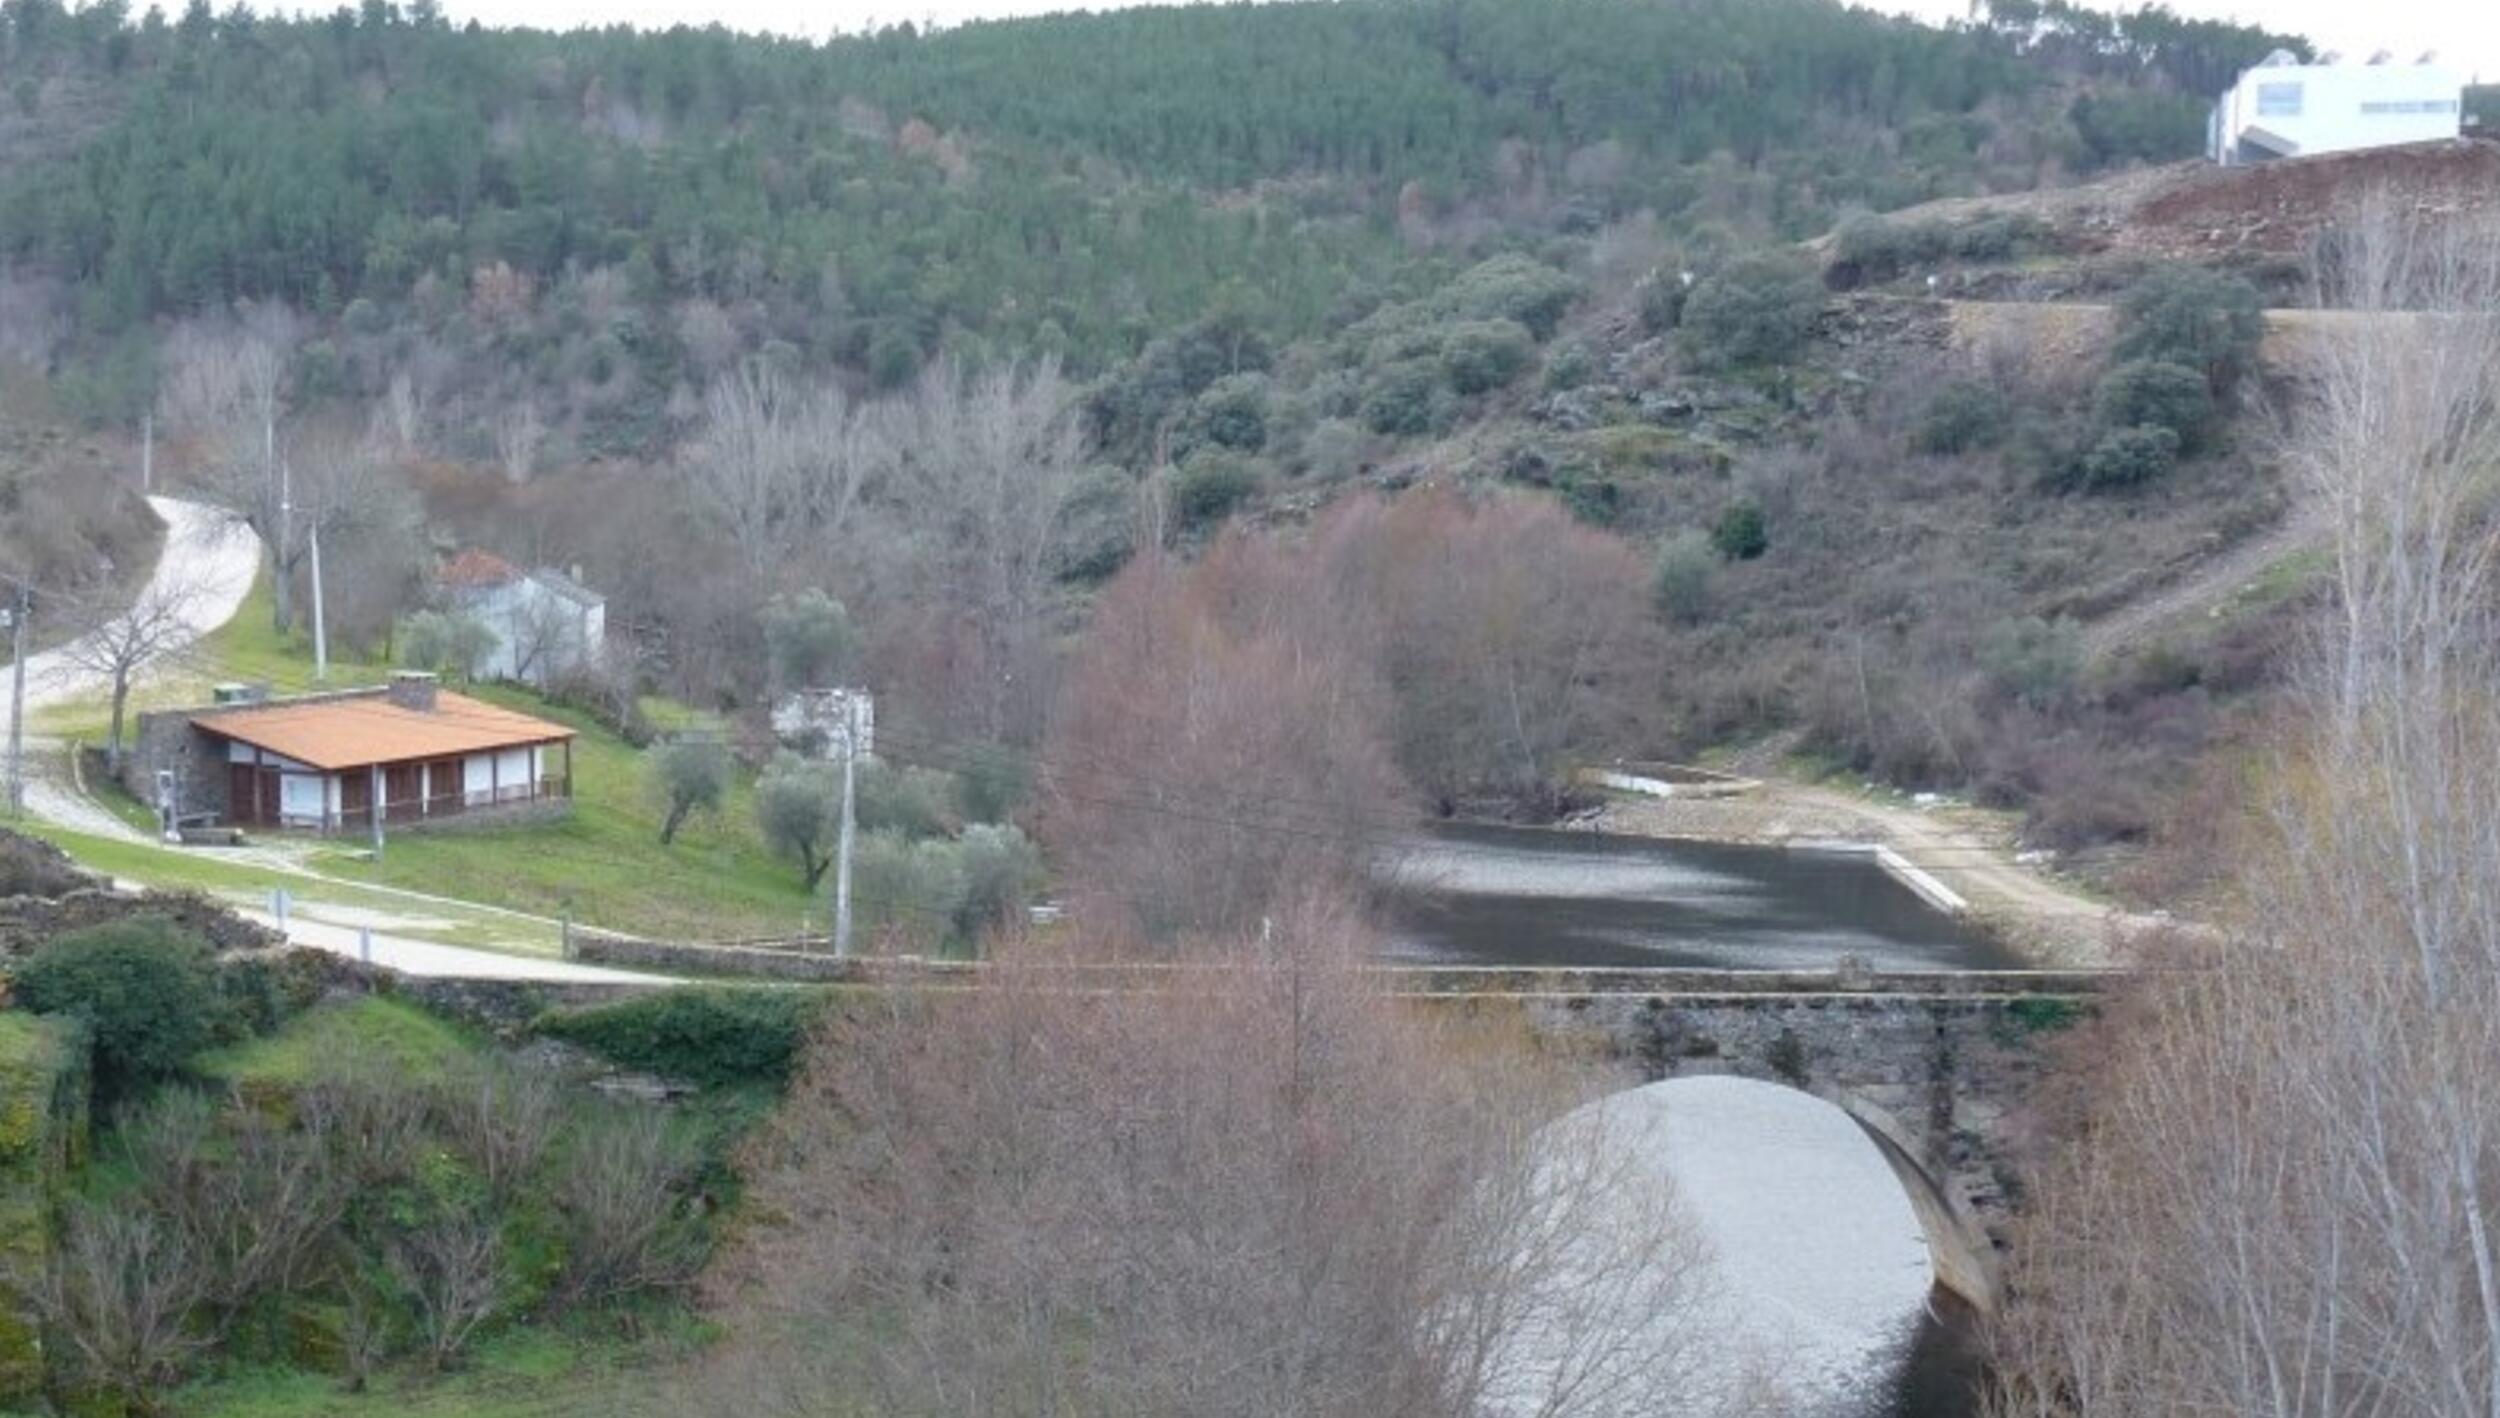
x=1073 y=184
x=950 y=327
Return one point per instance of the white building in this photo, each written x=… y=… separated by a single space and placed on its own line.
x=2284 y=108
x=546 y=624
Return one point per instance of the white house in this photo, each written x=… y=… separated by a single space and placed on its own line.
x=546 y=624
x=2284 y=108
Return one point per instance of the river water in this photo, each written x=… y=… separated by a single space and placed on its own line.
x=1490 y=895
x=1465 y=893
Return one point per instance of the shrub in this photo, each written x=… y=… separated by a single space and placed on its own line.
x=1962 y=416
x=628 y=1221
x=1870 y=249
x=2035 y=661
x=999 y=870
x=906 y=889
x=797 y=806
x=1482 y=355
x=991 y=782
x=1662 y=296
x=1759 y=310
x=2186 y=315
x=147 y=989
x=1569 y=366
x=1741 y=534
x=809 y=642
x=1210 y=484
x=896 y=798
x=1232 y=413
x=1400 y=397
x=1679 y=585
x=2143 y=393
x=689 y=774
x=444 y=642
x=1512 y=287
x=712 y=1035
x=2129 y=457
x=1098 y=528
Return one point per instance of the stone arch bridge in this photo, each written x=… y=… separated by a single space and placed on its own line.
x=1937 y=1066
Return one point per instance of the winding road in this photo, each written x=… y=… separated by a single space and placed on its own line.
x=211 y=561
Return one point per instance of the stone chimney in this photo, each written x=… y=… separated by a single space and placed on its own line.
x=413 y=689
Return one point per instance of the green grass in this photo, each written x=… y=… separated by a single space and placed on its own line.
x=605 y=863
x=406 y=1040
x=526 y=1373
x=242 y=883
x=247 y=649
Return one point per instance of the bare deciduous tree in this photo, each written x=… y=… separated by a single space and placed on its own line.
x=779 y=460
x=117 y=1297
x=152 y=629
x=2281 y=1200
x=1257 y=1188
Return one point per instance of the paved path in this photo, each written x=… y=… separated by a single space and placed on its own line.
x=213 y=561
x=420 y=957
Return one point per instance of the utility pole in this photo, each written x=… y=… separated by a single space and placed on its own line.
x=147 y=453
x=17 y=614
x=321 y=629
x=377 y=812
x=842 y=850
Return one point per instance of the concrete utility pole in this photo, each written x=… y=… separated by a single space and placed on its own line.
x=147 y=453
x=842 y=850
x=321 y=628
x=17 y=613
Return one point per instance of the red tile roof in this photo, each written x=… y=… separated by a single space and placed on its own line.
x=352 y=732
x=475 y=568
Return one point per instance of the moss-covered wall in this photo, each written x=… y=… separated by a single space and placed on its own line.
x=43 y=1134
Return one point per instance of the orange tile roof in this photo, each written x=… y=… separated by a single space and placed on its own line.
x=474 y=568
x=350 y=733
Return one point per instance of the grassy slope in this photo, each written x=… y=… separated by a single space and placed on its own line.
x=529 y=1372
x=604 y=864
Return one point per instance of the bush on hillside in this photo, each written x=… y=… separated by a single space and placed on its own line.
x=2129 y=457
x=2186 y=315
x=444 y=642
x=1961 y=417
x=1482 y=355
x=147 y=990
x=1741 y=534
x=689 y=774
x=1680 y=583
x=1232 y=413
x=1210 y=484
x=2144 y=393
x=910 y=893
x=1512 y=287
x=1758 y=310
x=712 y=1035
x=893 y=797
x=1098 y=526
x=991 y=782
x=2035 y=661
x=1000 y=869
x=1404 y=397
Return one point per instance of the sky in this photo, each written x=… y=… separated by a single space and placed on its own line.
x=2465 y=32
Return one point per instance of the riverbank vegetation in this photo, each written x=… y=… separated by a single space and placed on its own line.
x=278 y=1189
x=2274 y=1197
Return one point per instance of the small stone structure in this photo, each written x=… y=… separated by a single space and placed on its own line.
x=818 y=722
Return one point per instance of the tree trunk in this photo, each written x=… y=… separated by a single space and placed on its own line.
x=676 y=818
x=113 y=744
